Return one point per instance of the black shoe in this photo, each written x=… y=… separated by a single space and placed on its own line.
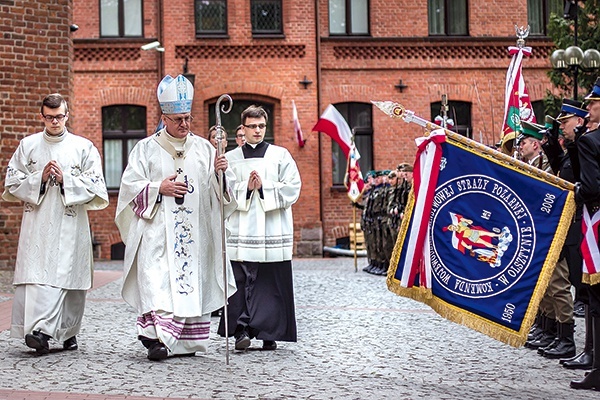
x=591 y=381
x=242 y=341
x=545 y=340
x=562 y=350
x=38 y=341
x=269 y=345
x=584 y=360
x=70 y=344
x=157 y=352
x=579 y=309
x=542 y=350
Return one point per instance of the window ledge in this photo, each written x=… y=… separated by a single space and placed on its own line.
x=338 y=188
x=212 y=36
x=268 y=36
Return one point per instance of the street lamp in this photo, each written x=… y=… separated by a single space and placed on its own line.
x=573 y=58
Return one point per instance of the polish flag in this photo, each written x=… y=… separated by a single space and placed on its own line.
x=354 y=180
x=589 y=247
x=297 y=128
x=334 y=125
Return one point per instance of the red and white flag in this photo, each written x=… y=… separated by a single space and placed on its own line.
x=517 y=104
x=426 y=172
x=589 y=247
x=334 y=125
x=297 y=128
x=354 y=180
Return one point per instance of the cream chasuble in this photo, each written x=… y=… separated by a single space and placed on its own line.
x=173 y=251
x=55 y=219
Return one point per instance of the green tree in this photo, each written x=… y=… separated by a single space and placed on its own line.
x=561 y=31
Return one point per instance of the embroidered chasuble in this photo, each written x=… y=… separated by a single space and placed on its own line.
x=55 y=216
x=173 y=252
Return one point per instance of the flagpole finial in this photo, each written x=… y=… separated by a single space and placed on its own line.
x=393 y=109
x=522 y=34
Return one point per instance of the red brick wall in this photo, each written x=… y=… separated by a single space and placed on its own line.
x=473 y=69
x=35 y=59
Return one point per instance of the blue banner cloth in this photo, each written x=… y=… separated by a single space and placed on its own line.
x=495 y=232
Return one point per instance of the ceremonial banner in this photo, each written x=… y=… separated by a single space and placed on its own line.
x=589 y=247
x=297 y=128
x=481 y=235
x=517 y=104
x=354 y=180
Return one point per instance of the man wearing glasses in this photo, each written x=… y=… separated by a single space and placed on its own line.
x=169 y=206
x=262 y=237
x=58 y=176
x=240 y=136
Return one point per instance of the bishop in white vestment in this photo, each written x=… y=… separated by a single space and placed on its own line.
x=169 y=218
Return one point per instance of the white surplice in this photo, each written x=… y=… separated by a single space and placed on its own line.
x=55 y=245
x=262 y=229
x=173 y=257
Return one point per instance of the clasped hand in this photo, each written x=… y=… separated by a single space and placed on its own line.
x=52 y=169
x=254 y=181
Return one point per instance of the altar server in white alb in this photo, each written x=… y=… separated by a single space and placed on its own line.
x=169 y=217
x=58 y=177
x=262 y=237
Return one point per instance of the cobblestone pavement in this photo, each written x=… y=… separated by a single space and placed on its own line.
x=356 y=340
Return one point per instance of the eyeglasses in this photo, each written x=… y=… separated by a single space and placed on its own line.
x=239 y=136
x=254 y=126
x=51 y=118
x=180 y=120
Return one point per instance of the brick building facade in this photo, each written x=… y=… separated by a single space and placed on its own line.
x=273 y=52
x=35 y=59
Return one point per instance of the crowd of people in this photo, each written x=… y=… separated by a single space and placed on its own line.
x=383 y=202
x=178 y=186
x=176 y=190
x=568 y=146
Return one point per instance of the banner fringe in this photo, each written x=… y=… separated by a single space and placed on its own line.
x=591 y=279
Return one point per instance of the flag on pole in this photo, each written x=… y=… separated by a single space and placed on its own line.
x=480 y=237
x=333 y=124
x=517 y=104
x=589 y=247
x=297 y=128
x=354 y=180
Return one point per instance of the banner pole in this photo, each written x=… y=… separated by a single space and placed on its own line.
x=355 y=246
x=220 y=138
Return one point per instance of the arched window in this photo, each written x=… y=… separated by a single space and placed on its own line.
x=122 y=127
x=359 y=117
x=231 y=120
